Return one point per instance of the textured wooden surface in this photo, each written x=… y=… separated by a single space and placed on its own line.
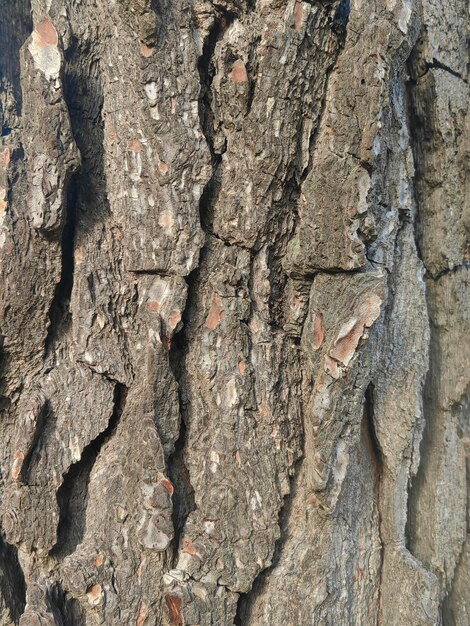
x=234 y=313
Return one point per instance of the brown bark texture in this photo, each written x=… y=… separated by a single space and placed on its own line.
x=234 y=313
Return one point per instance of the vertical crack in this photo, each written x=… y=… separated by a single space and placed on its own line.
x=377 y=464
x=86 y=201
x=419 y=131
x=246 y=600
x=59 y=312
x=12 y=581
x=72 y=495
x=296 y=178
x=206 y=71
x=461 y=411
x=69 y=608
x=44 y=429
x=206 y=118
x=278 y=278
x=341 y=18
x=183 y=494
x=15 y=27
x=251 y=69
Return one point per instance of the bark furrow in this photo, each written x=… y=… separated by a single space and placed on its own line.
x=233 y=312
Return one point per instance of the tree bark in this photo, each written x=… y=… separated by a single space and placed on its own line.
x=234 y=313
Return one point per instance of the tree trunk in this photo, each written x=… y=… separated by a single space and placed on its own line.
x=234 y=313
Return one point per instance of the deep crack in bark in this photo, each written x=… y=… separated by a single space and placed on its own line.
x=206 y=75
x=291 y=194
x=183 y=495
x=59 y=312
x=72 y=495
x=377 y=459
x=12 y=581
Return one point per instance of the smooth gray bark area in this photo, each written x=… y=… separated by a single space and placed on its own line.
x=234 y=313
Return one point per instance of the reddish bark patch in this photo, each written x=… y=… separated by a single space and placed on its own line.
x=216 y=313
x=345 y=347
x=188 y=547
x=163 y=167
x=153 y=305
x=3 y=202
x=174 y=604
x=138 y=571
x=298 y=15
x=143 y=614
x=94 y=594
x=47 y=34
x=134 y=145
x=318 y=331
x=312 y=500
x=174 y=320
x=349 y=336
x=238 y=73
x=5 y=158
x=168 y=486
x=146 y=51
x=17 y=465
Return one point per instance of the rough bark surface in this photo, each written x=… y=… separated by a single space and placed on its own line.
x=234 y=313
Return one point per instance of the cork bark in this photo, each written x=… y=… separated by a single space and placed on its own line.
x=234 y=313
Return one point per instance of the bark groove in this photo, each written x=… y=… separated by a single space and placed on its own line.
x=233 y=308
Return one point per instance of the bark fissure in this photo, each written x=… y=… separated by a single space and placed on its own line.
x=59 y=313
x=246 y=600
x=378 y=472
x=43 y=424
x=435 y=538
x=183 y=495
x=436 y=64
x=341 y=18
x=226 y=230
x=252 y=74
x=68 y=607
x=222 y=22
x=73 y=493
x=451 y=270
x=291 y=195
x=87 y=187
x=150 y=272
x=12 y=581
x=462 y=411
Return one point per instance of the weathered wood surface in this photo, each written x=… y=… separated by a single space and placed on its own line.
x=234 y=313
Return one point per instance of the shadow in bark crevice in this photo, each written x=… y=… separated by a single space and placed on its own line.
x=68 y=607
x=12 y=582
x=183 y=496
x=72 y=495
x=44 y=430
x=16 y=26
x=87 y=201
x=206 y=69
